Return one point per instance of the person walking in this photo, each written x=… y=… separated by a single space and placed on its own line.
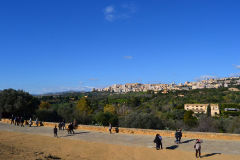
x=180 y=135
x=37 y=121
x=63 y=124
x=176 y=136
x=30 y=122
x=12 y=119
x=70 y=128
x=22 y=121
x=15 y=121
x=60 y=126
x=197 y=148
x=110 y=128
x=55 y=130
x=158 y=141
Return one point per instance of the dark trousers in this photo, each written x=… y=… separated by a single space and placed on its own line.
x=55 y=134
x=158 y=145
x=179 y=139
x=198 y=152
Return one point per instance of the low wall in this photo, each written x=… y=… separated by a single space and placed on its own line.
x=164 y=133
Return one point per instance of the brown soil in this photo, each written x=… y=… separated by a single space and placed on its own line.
x=23 y=146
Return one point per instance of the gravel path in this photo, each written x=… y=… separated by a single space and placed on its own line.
x=208 y=146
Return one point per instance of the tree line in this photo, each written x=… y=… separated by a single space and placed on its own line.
x=135 y=109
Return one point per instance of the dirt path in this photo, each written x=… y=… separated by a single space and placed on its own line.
x=209 y=146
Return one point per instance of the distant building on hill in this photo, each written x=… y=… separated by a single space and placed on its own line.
x=202 y=108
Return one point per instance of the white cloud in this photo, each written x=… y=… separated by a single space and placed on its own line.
x=109 y=10
x=109 y=13
x=128 y=57
x=124 y=11
x=237 y=66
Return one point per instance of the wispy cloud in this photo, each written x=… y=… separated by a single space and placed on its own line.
x=109 y=9
x=128 y=57
x=234 y=75
x=237 y=66
x=109 y=13
x=124 y=11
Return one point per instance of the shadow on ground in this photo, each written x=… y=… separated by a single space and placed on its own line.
x=76 y=133
x=187 y=141
x=172 y=147
x=210 y=154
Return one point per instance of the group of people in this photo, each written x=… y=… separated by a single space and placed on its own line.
x=61 y=126
x=178 y=135
x=21 y=121
x=17 y=121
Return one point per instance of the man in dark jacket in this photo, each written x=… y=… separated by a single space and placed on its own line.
x=158 y=141
x=177 y=136
x=55 y=131
x=180 y=135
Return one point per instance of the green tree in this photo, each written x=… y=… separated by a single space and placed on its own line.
x=44 y=105
x=189 y=119
x=17 y=102
x=106 y=118
x=83 y=111
x=83 y=107
x=109 y=108
x=209 y=111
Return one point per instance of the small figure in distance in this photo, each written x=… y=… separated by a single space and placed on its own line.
x=60 y=126
x=73 y=127
x=30 y=122
x=18 y=121
x=110 y=128
x=37 y=121
x=180 y=136
x=197 y=148
x=22 y=121
x=176 y=136
x=63 y=124
x=12 y=119
x=70 y=128
x=158 y=141
x=15 y=121
x=55 y=130
x=116 y=129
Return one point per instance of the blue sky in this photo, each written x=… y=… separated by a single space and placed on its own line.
x=59 y=45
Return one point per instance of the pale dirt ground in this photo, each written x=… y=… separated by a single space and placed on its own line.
x=18 y=143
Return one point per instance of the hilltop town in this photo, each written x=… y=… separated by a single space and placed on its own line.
x=138 y=87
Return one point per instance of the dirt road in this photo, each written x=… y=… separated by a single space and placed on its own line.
x=100 y=144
